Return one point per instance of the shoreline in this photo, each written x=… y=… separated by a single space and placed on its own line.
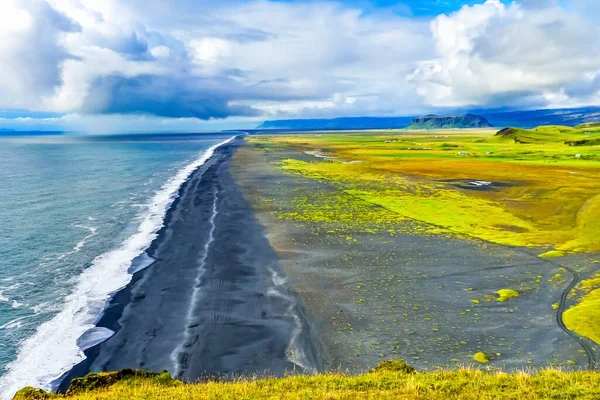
x=119 y=300
x=59 y=344
x=280 y=319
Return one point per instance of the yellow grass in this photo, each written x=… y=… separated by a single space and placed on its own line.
x=380 y=384
x=546 y=197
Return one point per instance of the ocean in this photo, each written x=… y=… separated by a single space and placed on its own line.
x=76 y=214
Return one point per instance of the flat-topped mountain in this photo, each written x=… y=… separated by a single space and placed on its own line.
x=523 y=119
x=449 y=122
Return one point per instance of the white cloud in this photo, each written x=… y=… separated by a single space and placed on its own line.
x=210 y=50
x=30 y=51
x=216 y=60
x=13 y=19
x=493 y=54
x=209 y=59
x=160 y=51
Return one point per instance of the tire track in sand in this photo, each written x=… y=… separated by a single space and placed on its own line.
x=180 y=356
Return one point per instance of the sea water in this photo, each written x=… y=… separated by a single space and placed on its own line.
x=74 y=213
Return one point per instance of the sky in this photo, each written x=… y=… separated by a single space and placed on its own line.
x=109 y=66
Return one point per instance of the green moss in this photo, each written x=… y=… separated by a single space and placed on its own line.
x=506 y=294
x=584 y=318
x=105 y=379
x=421 y=185
x=395 y=366
x=338 y=212
x=481 y=358
x=30 y=393
x=552 y=254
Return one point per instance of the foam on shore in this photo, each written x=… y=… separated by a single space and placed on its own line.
x=56 y=347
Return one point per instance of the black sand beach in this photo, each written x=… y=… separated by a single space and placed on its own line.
x=215 y=302
x=235 y=290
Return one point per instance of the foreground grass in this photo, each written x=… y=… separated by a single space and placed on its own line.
x=386 y=382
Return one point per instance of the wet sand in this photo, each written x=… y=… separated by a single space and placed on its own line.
x=215 y=302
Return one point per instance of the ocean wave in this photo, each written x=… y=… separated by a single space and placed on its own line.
x=79 y=245
x=53 y=349
x=16 y=304
x=15 y=323
x=4 y=296
x=42 y=307
x=93 y=232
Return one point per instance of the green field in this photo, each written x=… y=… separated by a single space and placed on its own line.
x=537 y=189
x=545 y=194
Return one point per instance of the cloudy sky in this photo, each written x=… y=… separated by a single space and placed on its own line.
x=138 y=65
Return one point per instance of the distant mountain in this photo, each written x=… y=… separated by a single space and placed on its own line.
x=533 y=118
x=449 y=122
x=12 y=132
x=339 y=123
x=522 y=119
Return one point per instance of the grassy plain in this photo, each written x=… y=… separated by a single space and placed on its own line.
x=376 y=286
x=383 y=383
x=535 y=188
x=543 y=194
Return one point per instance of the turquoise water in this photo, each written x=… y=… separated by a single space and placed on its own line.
x=74 y=212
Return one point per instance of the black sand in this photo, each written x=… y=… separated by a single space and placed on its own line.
x=215 y=303
x=429 y=299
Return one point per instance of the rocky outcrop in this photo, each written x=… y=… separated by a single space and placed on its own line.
x=450 y=122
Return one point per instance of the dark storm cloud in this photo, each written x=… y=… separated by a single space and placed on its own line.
x=161 y=96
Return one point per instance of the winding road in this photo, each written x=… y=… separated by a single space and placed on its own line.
x=591 y=355
x=592 y=363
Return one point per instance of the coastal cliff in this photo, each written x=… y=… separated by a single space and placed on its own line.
x=449 y=122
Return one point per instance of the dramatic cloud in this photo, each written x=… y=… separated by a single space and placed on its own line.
x=529 y=53
x=209 y=59
x=30 y=52
x=235 y=60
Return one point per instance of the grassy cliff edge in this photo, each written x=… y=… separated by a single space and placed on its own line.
x=390 y=380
